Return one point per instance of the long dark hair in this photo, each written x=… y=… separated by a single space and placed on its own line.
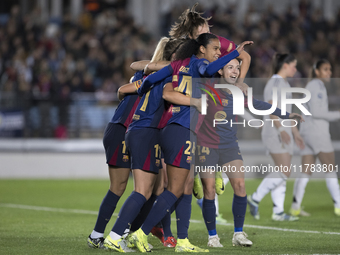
x=191 y=47
x=188 y=22
x=317 y=66
x=171 y=47
x=279 y=59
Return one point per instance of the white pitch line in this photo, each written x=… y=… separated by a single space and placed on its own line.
x=51 y=209
x=277 y=229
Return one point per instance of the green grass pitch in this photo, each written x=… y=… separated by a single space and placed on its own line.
x=56 y=216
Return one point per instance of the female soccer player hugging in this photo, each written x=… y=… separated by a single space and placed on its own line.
x=195 y=59
x=219 y=146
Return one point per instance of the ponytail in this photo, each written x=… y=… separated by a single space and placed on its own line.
x=279 y=59
x=159 y=51
x=317 y=66
x=189 y=21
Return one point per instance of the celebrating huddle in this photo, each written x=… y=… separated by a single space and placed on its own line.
x=159 y=133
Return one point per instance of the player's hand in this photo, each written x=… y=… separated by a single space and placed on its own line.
x=285 y=137
x=296 y=116
x=243 y=86
x=241 y=46
x=299 y=141
x=197 y=103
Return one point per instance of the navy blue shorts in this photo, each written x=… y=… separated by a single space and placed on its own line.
x=210 y=157
x=115 y=147
x=143 y=146
x=178 y=144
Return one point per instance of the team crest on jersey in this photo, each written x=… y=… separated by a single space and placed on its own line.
x=202 y=159
x=176 y=109
x=125 y=158
x=189 y=159
x=158 y=162
x=220 y=115
x=224 y=102
x=135 y=117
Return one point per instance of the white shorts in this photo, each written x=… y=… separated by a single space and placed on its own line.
x=316 y=144
x=274 y=145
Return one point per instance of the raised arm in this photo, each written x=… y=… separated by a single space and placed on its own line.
x=175 y=97
x=155 y=66
x=139 y=65
x=154 y=78
x=206 y=69
x=227 y=46
x=260 y=105
x=246 y=59
x=129 y=88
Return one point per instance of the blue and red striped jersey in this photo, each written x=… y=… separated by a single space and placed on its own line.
x=224 y=135
x=150 y=108
x=126 y=108
x=183 y=73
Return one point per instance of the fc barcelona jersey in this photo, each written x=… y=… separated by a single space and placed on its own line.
x=150 y=108
x=186 y=80
x=126 y=108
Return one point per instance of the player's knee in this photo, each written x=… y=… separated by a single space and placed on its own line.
x=118 y=188
x=209 y=192
x=239 y=188
x=189 y=182
x=158 y=190
x=145 y=192
x=177 y=191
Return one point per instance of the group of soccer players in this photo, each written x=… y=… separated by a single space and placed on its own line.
x=159 y=116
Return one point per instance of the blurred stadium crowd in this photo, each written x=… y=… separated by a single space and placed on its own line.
x=47 y=64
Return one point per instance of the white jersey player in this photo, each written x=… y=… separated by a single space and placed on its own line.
x=279 y=142
x=315 y=132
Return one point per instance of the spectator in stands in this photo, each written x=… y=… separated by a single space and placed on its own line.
x=93 y=52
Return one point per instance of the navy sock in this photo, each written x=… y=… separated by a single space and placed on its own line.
x=183 y=214
x=209 y=215
x=128 y=212
x=166 y=223
x=106 y=210
x=138 y=222
x=161 y=206
x=239 y=208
